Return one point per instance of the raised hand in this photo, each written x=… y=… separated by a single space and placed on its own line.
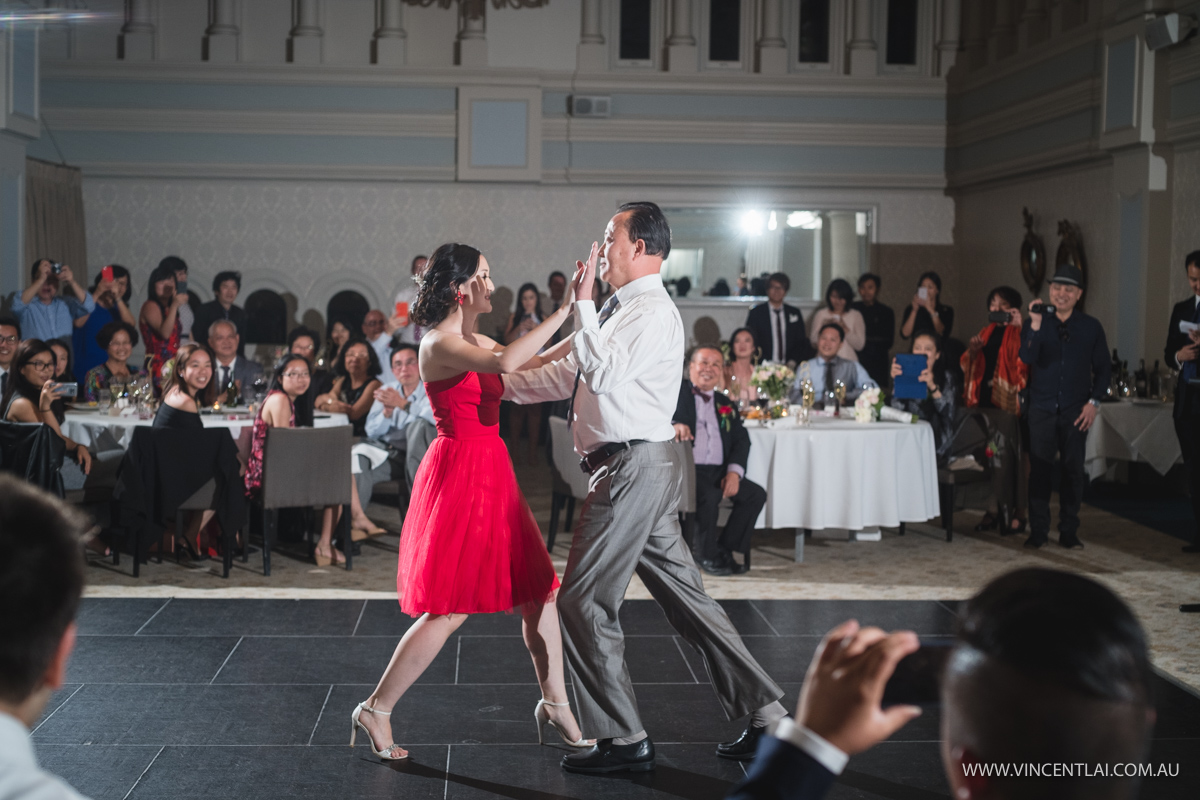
x=585 y=275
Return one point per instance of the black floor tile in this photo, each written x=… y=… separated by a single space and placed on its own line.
x=694 y=660
x=113 y=615
x=264 y=773
x=185 y=715
x=785 y=658
x=383 y=618
x=323 y=659
x=646 y=618
x=656 y=659
x=1178 y=711
x=818 y=617
x=57 y=700
x=894 y=771
x=685 y=713
x=492 y=625
x=493 y=659
x=257 y=618
x=98 y=772
x=747 y=619
x=148 y=659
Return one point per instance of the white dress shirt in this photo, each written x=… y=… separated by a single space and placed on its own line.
x=385 y=428
x=411 y=332
x=630 y=369
x=382 y=345
x=817 y=747
x=20 y=776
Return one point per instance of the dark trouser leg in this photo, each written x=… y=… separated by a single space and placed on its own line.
x=708 y=498
x=1043 y=446
x=747 y=504
x=1187 y=429
x=1071 y=444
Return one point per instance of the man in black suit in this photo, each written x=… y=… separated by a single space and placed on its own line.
x=778 y=328
x=1181 y=352
x=881 y=329
x=1014 y=690
x=709 y=418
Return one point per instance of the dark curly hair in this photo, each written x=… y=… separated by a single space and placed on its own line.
x=105 y=335
x=450 y=266
x=373 y=366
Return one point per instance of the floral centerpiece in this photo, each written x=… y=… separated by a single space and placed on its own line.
x=868 y=405
x=773 y=380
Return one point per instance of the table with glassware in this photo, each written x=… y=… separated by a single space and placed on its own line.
x=1133 y=429
x=838 y=473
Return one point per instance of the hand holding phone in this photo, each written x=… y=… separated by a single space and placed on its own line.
x=66 y=389
x=402 y=312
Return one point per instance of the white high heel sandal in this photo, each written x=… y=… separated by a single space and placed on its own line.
x=385 y=753
x=543 y=717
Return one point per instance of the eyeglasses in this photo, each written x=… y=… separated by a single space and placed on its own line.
x=9 y=339
x=295 y=375
x=307 y=347
x=41 y=366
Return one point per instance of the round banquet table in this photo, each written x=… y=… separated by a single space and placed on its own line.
x=103 y=432
x=839 y=473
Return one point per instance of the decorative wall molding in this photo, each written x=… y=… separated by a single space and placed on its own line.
x=337 y=172
x=799 y=180
x=1036 y=165
x=964 y=81
x=282 y=123
x=742 y=132
x=1052 y=105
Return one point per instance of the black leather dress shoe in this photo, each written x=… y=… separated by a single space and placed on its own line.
x=744 y=747
x=1035 y=542
x=1070 y=543
x=715 y=568
x=1191 y=548
x=604 y=756
x=738 y=569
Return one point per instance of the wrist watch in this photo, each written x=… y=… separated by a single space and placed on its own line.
x=1094 y=402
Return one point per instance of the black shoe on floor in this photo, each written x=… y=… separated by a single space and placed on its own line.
x=744 y=747
x=739 y=569
x=1191 y=548
x=715 y=568
x=1035 y=541
x=988 y=523
x=604 y=756
x=1070 y=542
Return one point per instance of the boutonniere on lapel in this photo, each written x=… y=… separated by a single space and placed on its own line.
x=725 y=417
x=793 y=318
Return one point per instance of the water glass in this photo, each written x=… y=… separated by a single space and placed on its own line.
x=104 y=400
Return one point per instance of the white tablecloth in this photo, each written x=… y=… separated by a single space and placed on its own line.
x=843 y=474
x=1133 y=430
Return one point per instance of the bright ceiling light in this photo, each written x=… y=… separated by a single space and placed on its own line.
x=752 y=223
x=808 y=220
x=772 y=222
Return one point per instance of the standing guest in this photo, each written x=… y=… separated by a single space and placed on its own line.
x=556 y=286
x=229 y=367
x=744 y=354
x=401 y=324
x=43 y=313
x=838 y=311
x=187 y=317
x=31 y=396
x=225 y=286
x=41 y=574
x=779 y=328
x=10 y=337
x=184 y=389
x=525 y=318
x=339 y=333
x=943 y=385
x=1069 y=371
x=925 y=313
x=827 y=367
x=62 y=362
x=1181 y=350
x=118 y=339
x=374 y=330
x=994 y=378
x=111 y=298
x=355 y=380
x=709 y=418
x=881 y=327
x=307 y=343
x=159 y=320
x=400 y=400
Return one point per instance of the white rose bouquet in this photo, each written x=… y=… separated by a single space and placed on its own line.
x=868 y=404
x=774 y=379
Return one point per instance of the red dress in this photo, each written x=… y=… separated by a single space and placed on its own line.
x=470 y=543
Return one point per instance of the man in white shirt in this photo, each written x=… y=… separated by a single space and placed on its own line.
x=224 y=340
x=400 y=325
x=400 y=400
x=623 y=374
x=41 y=581
x=374 y=328
x=10 y=337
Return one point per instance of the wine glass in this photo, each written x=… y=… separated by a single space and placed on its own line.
x=259 y=389
x=808 y=398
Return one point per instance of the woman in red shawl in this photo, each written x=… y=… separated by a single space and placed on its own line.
x=994 y=377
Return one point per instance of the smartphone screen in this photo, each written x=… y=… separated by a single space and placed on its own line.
x=918 y=676
x=66 y=389
x=181 y=287
x=106 y=274
x=923 y=293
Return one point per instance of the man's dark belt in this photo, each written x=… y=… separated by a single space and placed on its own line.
x=604 y=452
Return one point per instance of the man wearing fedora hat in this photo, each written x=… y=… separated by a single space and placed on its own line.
x=1069 y=372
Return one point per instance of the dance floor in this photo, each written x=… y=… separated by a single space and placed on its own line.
x=251 y=698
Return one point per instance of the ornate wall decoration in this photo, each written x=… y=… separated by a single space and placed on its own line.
x=1070 y=249
x=1033 y=256
x=473 y=9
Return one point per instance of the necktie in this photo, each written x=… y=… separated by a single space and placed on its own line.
x=224 y=376
x=829 y=379
x=705 y=396
x=3 y=382
x=1189 y=367
x=780 y=345
x=607 y=310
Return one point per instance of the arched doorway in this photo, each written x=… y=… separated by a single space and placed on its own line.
x=266 y=318
x=349 y=307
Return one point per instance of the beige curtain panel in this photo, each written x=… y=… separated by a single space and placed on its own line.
x=54 y=217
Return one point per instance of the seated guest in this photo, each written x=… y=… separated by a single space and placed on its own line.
x=31 y=397
x=777 y=327
x=225 y=286
x=111 y=298
x=837 y=310
x=399 y=401
x=710 y=419
x=289 y=381
x=925 y=313
x=1047 y=668
x=940 y=405
x=10 y=337
x=354 y=384
x=744 y=354
x=307 y=343
x=43 y=313
x=994 y=377
x=828 y=368
x=336 y=338
x=881 y=327
x=228 y=366
x=374 y=330
x=184 y=389
x=525 y=318
x=117 y=339
x=159 y=321
x=41 y=574
x=62 y=363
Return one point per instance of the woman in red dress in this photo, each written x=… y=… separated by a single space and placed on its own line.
x=159 y=321
x=470 y=543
